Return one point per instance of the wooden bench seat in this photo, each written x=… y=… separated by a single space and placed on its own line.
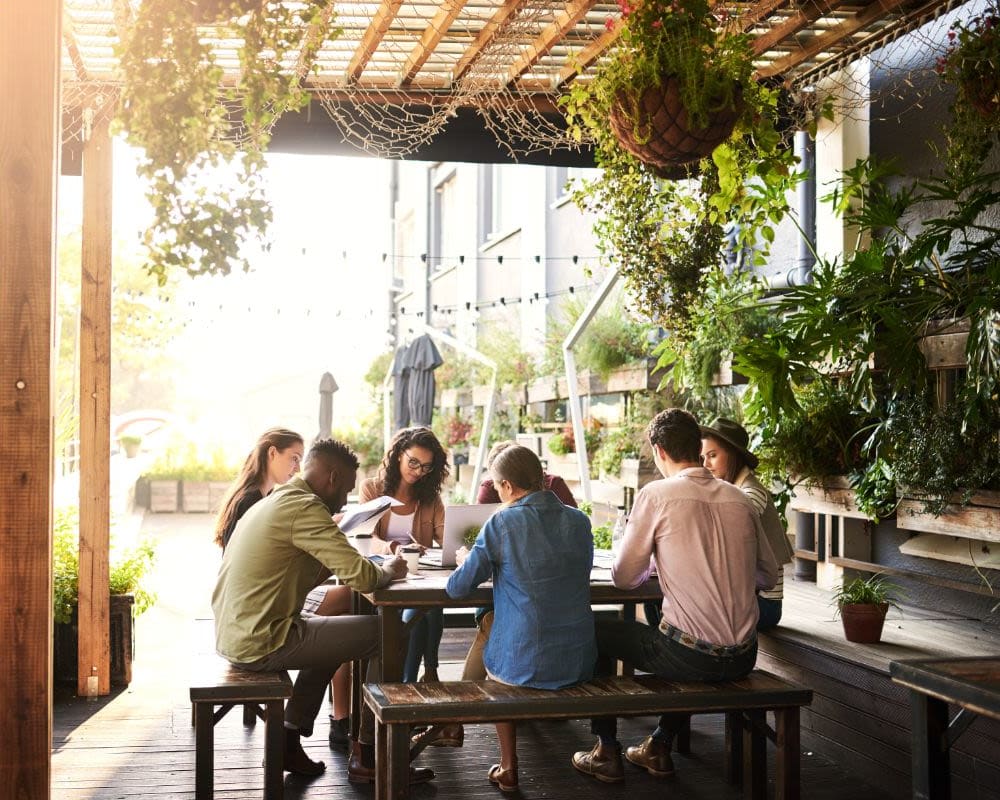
x=397 y=706
x=217 y=683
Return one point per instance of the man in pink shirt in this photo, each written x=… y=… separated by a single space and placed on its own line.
x=711 y=556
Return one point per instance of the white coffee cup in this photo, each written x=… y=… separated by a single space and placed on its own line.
x=363 y=543
x=412 y=556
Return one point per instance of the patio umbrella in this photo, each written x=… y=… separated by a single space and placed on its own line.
x=423 y=358
x=327 y=386
x=400 y=388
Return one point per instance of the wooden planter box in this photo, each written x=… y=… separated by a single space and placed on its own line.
x=636 y=377
x=480 y=395
x=587 y=383
x=514 y=394
x=456 y=398
x=163 y=496
x=833 y=496
x=565 y=466
x=120 y=631
x=194 y=497
x=944 y=343
x=543 y=389
x=979 y=519
x=637 y=472
x=726 y=377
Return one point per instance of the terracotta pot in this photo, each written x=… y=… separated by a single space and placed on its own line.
x=863 y=621
x=654 y=127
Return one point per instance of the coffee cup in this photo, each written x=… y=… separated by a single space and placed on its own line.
x=363 y=543
x=412 y=555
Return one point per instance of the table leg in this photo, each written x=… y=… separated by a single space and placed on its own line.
x=391 y=643
x=204 y=751
x=359 y=605
x=929 y=746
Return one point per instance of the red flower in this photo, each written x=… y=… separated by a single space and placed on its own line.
x=609 y=23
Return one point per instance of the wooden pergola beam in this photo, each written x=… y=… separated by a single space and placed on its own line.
x=496 y=23
x=313 y=40
x=380 y=23
x=430 y=39
x=832 y=38
x=30 y=65
x=757 y=12
x=548 y=38
x=589 y=54
x=808 y=13
x=73 y=49
x=93 y=610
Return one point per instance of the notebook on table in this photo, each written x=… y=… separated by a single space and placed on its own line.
x=457 y=520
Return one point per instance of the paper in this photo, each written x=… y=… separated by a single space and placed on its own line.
x=363 y=518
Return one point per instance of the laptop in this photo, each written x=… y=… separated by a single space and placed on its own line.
x=457 y=520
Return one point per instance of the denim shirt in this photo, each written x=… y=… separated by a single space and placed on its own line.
x=539 y=554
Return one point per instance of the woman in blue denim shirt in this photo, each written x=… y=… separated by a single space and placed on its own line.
x=538 y=553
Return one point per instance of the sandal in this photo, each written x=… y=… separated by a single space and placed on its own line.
x=505 y=779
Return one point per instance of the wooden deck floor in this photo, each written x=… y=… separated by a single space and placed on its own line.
x=140 y=743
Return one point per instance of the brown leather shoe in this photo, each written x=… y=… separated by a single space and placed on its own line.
x=505 y=779
x=439 y=736
x=603 y=763
x=358 y=770
x=652 y=755
x=296 y=761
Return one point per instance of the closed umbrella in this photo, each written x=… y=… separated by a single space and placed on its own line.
x=327 y=386
x=423 y=358
x=400 y=388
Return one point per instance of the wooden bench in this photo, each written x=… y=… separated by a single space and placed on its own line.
x=216 y=682
x=397 y=706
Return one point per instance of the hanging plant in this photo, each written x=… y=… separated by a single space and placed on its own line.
x=202 y=141
x=972 y=65
x=675 y=64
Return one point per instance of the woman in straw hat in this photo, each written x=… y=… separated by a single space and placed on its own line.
x=725 y=453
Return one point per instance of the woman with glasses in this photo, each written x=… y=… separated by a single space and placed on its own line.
x=413 y=471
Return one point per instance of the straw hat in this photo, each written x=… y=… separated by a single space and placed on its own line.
x=733 y=434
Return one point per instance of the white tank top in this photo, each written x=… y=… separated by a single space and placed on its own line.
x=400 y=526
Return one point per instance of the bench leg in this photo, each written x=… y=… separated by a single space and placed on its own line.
x=274 y=750
x=734 y=748
x=204 y=751
x=682 y=741
x=787 y=758
x=392 y=761
x=754 y=756
x=249 y=714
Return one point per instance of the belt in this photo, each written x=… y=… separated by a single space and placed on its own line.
x=694 y=643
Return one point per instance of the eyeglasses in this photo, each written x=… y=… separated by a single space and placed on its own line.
x=416 y=466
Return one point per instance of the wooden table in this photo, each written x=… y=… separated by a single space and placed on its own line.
x=973 y=684
x=428 y=592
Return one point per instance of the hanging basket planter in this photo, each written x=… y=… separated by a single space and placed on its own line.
x=655 y=127
x=982 y=91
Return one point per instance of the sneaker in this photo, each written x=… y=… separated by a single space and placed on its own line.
x=603 y=763
x=340 y=733
x=652 y=755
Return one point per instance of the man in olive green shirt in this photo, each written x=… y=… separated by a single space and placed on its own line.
x=286 y=544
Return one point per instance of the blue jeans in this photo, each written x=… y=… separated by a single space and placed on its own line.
x=770 y=613
x=647 y=649
x=425 y=641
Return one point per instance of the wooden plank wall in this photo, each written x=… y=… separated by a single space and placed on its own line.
x=93 y=658
x=30 y=33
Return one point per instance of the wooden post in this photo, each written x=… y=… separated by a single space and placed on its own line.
x=94 y=654
x=30 y=32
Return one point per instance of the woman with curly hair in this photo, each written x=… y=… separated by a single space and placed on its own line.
x=275 y=459
x=413 y=471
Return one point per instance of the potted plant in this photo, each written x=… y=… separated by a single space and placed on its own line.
x=862 y=605
x=972 y=64
x=457 y=433
x=191 y=128
x=129 y=597
x=130 y=444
